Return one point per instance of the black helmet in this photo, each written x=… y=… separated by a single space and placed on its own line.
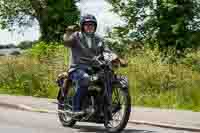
x=88 y=18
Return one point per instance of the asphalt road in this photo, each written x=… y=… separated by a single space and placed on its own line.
x=16 y=121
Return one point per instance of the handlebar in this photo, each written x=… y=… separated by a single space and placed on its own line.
x=95 y=59
x=98 y=60
x=85 y=59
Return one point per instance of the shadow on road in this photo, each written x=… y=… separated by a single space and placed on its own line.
x=100 y=129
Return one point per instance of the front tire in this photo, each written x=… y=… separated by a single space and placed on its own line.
x=119 y=92
x=65 y=119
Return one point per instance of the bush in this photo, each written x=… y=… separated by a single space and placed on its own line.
x=155 y=84
x=35 y=72
x=15 y=53
x=25 y=44
x=151 y=82
x=193 y=61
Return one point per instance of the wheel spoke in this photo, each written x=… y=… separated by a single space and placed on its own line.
x=114 y=96
x=67 y=106
x=118 y=99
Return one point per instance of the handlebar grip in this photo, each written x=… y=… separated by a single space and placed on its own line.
x=85 y=59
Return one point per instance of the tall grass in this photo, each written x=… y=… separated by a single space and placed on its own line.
x=164 y=85
x=34 y=73
x=151 y=83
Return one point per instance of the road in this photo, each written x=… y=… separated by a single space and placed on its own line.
x=16 y=121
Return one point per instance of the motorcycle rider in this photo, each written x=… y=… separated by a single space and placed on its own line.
x=85 y=43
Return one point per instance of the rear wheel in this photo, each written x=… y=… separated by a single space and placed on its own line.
x=65 y=119
x=121 y=108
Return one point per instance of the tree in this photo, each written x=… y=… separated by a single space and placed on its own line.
x=166 y=24
x=25 y=44
x=52 y=15
x=7 y=46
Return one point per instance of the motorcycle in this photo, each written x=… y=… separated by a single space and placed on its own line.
x=108 y=100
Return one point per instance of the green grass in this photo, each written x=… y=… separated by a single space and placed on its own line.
x=151 y=83
x=33 y=73
x=154 y=84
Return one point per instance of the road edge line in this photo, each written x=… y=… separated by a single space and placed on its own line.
x=163 y=125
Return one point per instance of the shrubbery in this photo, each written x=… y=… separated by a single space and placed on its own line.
x=34 y=72
x=26 y=44
x=152 y=83
x=156 y=84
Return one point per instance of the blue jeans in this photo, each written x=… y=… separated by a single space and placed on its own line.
x=81 y=80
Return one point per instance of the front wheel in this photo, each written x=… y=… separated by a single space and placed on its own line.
x=121 y=108
x=65 y=119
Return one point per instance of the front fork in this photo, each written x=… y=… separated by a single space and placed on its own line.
x=108 y=97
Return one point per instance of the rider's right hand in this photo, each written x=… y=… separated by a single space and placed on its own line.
x=71 y=29
x=67 y=37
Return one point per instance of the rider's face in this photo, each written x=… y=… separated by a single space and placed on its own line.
x=89 y=27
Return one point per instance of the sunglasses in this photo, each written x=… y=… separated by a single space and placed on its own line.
x=89 y=24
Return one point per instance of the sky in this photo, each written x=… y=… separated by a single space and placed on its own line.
x=15 y=37
x=99 y=8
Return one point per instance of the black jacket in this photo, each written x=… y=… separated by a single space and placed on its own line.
x=79 y=48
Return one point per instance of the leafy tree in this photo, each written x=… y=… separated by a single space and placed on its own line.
x=166 y=24
x=25 y=44
x=52 y=15
x=15 y=53
x=7 y=46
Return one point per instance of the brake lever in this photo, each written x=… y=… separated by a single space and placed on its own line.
x=85 y=59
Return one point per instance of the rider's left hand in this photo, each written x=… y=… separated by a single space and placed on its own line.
x=123 y=62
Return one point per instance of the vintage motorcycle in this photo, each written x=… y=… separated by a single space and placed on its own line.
x=108 y=101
